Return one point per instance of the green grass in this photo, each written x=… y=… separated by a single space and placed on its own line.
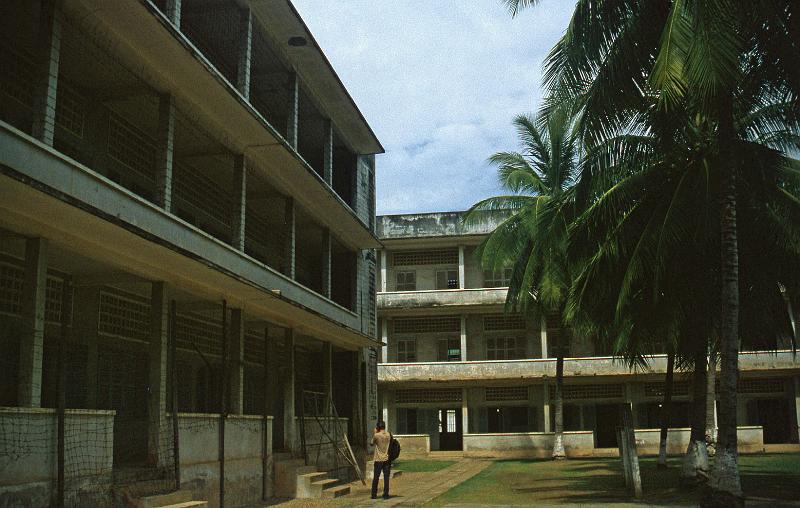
x=599 y=481
x=422 y=466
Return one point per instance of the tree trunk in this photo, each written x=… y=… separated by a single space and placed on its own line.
x=558 y=441
x=695 y=462
x=726 y=485
x=711 y=404
x=665 y=412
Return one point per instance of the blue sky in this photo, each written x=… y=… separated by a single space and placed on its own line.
x=439 y=82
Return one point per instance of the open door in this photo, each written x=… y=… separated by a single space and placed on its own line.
x=450 y=429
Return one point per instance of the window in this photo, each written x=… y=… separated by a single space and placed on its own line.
x=508 y=419
x=505 y=348
x=407 y=350
x=449 y=350
x=426 y=257
x=447 y=420
x=406 y=281
x=447 y=279
x=496 y=278
x=407 y=421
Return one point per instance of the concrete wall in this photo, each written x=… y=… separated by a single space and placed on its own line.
x=527 y=444
x=28 y=451
x=244 y=445
x=426 y=225
x=750 y=440
x=414 y=445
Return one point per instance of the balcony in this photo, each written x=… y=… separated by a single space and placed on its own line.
x=542 y=368
x=406 y=300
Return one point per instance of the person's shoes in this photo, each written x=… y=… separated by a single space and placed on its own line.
x=385 y=497
x=373 y=497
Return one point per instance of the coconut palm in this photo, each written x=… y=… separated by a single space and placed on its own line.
x=541 y=200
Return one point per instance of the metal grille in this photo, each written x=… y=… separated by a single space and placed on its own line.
x=501 y=393
x=493 y=322
x=11 y=280
x=656 y=389
x=18 y=76
x=427 y=324
x=193 y=330
x=131 y=147
x=426 y=257
x=761 y=386
x=202 y=194
x=610 y=391
x=124 y=316
x=52 y=299
x=254 y=347
x=433 y=395
x=70 y=109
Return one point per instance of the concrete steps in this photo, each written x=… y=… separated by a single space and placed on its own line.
x=334 y=492
x=176 y=499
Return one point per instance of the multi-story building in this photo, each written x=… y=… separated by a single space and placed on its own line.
x=191 y=170
x=458 y=373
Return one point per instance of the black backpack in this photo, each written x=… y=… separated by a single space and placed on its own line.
x=394 y=448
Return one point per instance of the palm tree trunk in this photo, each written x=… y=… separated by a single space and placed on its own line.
x=558 y=442
x=665 y=412
x=711 y=402
x=695 y=462
x=726 y=485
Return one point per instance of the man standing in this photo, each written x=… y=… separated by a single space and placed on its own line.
x=381 y=440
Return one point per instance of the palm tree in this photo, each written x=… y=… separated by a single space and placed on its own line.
x=612 y=50
x=541 y=198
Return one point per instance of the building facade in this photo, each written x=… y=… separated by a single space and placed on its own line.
x=457 y=373
x=187 y=199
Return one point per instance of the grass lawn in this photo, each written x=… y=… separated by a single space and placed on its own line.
x=422 y=466
x=598 y=481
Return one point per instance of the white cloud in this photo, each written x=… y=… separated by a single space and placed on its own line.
x=439 y=82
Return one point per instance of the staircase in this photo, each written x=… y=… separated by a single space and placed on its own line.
x=294 y=479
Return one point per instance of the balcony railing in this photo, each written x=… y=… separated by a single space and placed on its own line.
x=401 y=300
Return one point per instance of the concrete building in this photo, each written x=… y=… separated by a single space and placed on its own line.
x=457 y=373
x=196 y=152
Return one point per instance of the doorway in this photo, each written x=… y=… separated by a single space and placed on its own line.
x=450 y=429
x=607 y=418
x=775 y=416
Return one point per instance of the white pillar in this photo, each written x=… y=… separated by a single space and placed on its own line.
x=327 y=153
x=796 y=404
x=385 y=407
x=173 y=12
x=464 y=411
x=385 y=340
x=239 y=218
x=32 y=340
x=546 y=408
x=463 y=338
x=46 y=85
x=384 y=270
x=165 y=145
x=245 y=53
x=327 y=373
x=289 y=238
x=294 y=110
x=326 y=262
x=236 y=363
x=288 y=393
x=157 y=369
x=543 y=334
x=461 y=271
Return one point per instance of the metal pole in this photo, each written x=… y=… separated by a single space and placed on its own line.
x=265 y=448
x=223 y=404
x=66 y=305
x=176 y=450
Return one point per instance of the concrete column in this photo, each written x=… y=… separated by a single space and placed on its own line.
x=289 y=238
x=326 y=262
x=628 y=393
x=463 y=338
x=32 y=341
x=46 y=86
x=245 y=52
x=546 y=408
x=461 y=271
x=327 y=154
x=464 y=411
x=385 y=340
x=157 y=371
x=543 y=334
x=327 y=374
x=85 y=326
x=384 y=270
x=358 y=391
x=796 y=404
x=236 y=363
x=288 y=393
x=173 y=12
x=165 y=144
x=294 y=110
x=239 y=202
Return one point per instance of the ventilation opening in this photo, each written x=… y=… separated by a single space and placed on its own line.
x=428 y=324
x=426 y=257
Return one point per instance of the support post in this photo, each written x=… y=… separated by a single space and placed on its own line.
x=384 y=340
x=294 y=110
x=464 y=411
x=463 y=352
x=384 y=271
x=33 y=308
x=157 y=372
x=796 y=404
x=239 y=202
x=236 y=363
x=289 y=238
x=543 y=335
x=546 y=408
x=461 y=270
x=66 y=305
x=327 y=154
x=385 y=407
x=266 y=452
x=327 y=376
x=165 y=144
x=245 y=53
x=288 y=393
x=326 y=262
x=173 y=12
x=46 y=86
x=173 y=377
x=223 y=410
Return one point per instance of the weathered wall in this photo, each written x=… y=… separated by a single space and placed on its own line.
x=414 y=445
x=750 y=440
x=526 y=445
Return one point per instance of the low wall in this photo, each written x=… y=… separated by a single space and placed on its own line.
x=28 y=456
x=750 y=440
x=527 y=444
x=244 y=446
x=414 y=445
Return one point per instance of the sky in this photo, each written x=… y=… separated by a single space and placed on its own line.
x=440 y=83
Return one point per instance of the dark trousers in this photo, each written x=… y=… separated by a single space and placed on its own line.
x=386 y=468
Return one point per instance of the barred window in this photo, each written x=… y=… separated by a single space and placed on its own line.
x=53 y=300
x=11 y=280
x=447 y=279
x=760 y=386
x=430 y=395
x=406 y=281
x=426 y=257
x=656 y=389
x=193 y=331
x=427 y=324
x=407 y=350
x=503 y=393
x=449 y=350
x=496 y=278
x=18 y=76
x=124 y=316
x=505 y=348
x=493 y=322
x=131 y=147
x=599 y=391
x=70 y=110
